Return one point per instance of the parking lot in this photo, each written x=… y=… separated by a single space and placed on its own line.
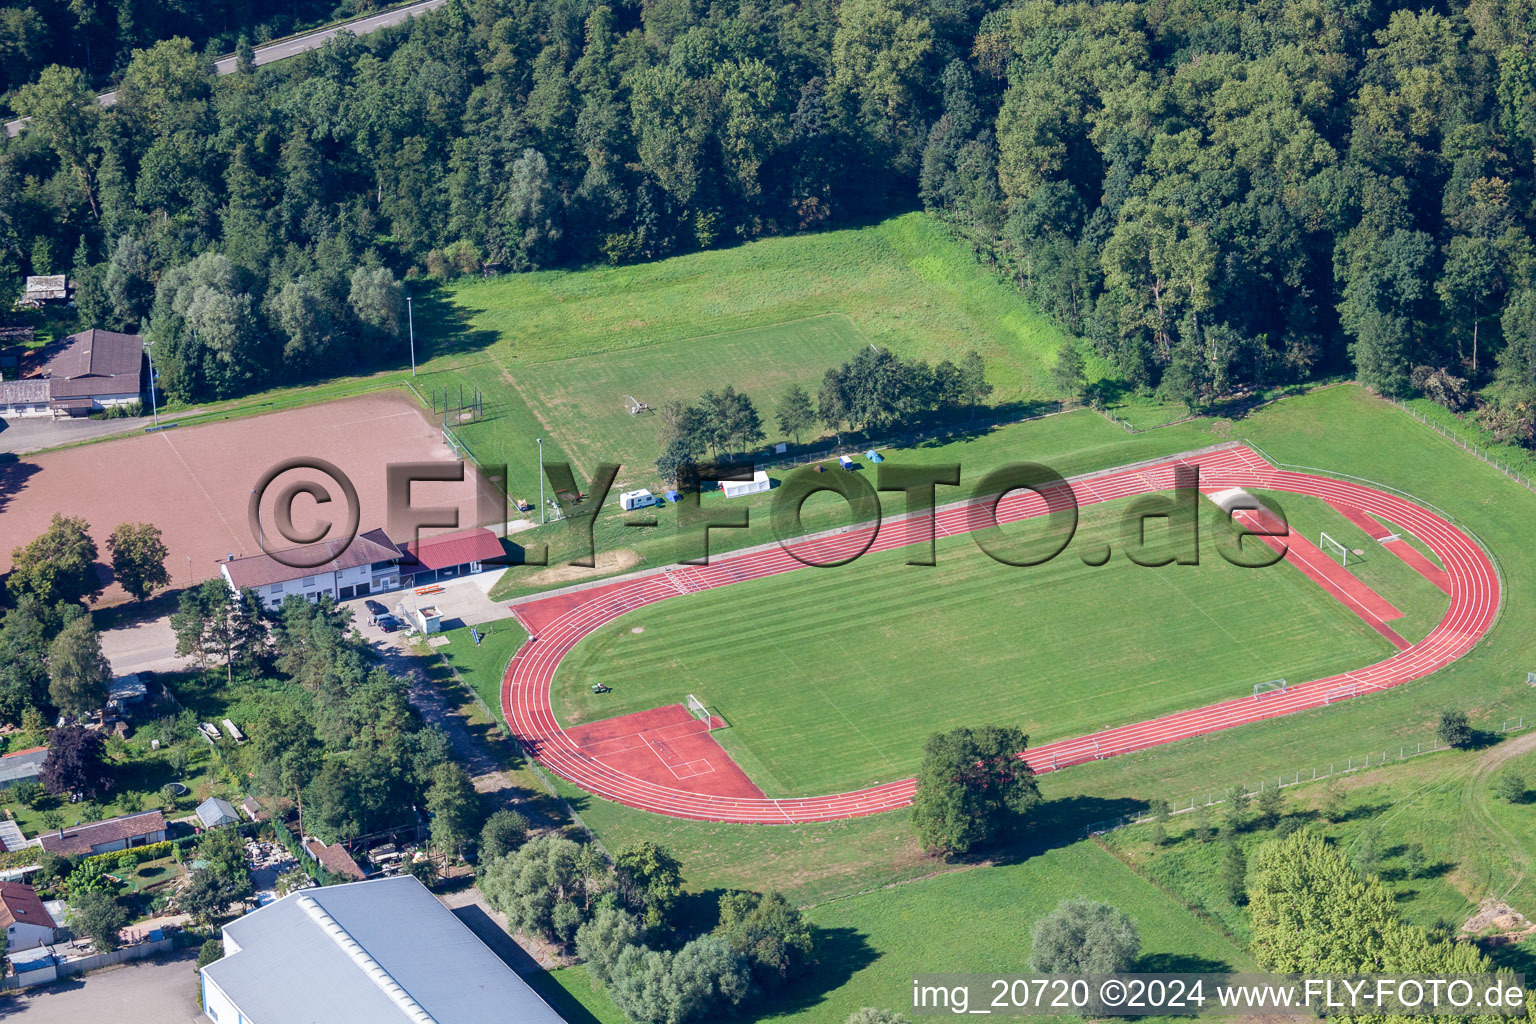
x=462 y=602
x=159 y=991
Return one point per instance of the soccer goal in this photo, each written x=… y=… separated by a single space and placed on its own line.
x=1326 y=542
x=697 y=709
x=1260 y=689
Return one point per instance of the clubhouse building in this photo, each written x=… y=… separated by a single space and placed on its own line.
x=93 y=371
x=371 y=564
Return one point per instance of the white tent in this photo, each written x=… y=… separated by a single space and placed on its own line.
x=736 y=488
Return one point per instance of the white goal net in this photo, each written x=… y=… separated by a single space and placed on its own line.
x=1328 y=544
x=697 y=709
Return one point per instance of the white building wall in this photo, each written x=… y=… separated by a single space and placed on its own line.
x=18 y=412
x=218 y=1006
x=27 y=936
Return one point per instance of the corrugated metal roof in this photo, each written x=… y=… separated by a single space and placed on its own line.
x=216 y=811
x=96 y=353
x=23 y=392
x=24 y=764
x=369 y=953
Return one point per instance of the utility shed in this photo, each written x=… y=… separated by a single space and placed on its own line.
x=216 y=811
x=378 y=952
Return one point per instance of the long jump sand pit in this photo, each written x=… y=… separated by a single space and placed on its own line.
x=195 y=483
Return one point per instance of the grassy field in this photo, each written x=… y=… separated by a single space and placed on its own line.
x=967 y=921
x=555 y=354
x=1421 y=602
x=861 y=663
x=1474 y=844
x=481 y=666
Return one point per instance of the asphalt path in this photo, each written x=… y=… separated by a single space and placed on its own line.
x=285 y=48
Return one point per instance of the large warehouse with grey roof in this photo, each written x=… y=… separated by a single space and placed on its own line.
x=366 y=953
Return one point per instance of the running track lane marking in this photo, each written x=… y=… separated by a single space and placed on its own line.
x=1473 y=606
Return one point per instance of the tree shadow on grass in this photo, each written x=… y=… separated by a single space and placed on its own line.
x=1179 y=963
x=840 y=954
x=1519 y=957
x=1053 y=824
x=442 y=325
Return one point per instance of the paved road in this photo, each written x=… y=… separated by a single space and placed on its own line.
x=160 y=991
x=146 y=646
x=286 y=48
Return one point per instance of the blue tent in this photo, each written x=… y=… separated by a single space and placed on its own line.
x=874 y=456
x=673 y=497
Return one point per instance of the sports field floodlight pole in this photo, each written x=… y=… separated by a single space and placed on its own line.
x=410 y=320
x=541 y=480
x=154 y=407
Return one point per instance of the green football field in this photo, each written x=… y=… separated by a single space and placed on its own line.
x=831 y=679
x=555 y=354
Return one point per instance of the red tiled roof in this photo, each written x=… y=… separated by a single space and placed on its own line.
x=19 y=904
x=260 y=570
x=82 y=838
x=448 y=549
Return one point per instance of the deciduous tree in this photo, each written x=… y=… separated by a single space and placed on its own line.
x=138 y=558
x=970 y=784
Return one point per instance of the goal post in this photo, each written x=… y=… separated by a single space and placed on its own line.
x=697 y=709
x=1259 y=689
x=1325 y=542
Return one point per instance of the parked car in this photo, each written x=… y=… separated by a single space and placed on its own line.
x=375 y=609
x=388 y=623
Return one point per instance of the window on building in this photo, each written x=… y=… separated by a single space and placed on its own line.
x=277 y=588
x=309 y=581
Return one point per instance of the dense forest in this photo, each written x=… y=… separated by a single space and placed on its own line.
x=1215 y=194
x=99 y=36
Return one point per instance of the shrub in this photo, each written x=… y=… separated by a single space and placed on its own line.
x=1454 y=729
x=1084 y=937
x=210 y=951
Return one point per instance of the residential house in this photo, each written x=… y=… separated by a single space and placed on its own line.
x=108 y=836
x=26 y=921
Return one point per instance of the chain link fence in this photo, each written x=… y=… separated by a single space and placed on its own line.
x=1317 y=773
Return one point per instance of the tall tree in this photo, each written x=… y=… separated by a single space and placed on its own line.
x=970 y=784
x=651 y=880
x=58 y=566
x=211 y=622
x=78 y=672
x=796 y=414
x=76 y=764
x=138 y=558
x=455 y=809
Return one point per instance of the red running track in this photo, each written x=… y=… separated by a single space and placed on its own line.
x=562 y=622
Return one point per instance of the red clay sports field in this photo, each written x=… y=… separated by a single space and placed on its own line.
x=665 y=761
